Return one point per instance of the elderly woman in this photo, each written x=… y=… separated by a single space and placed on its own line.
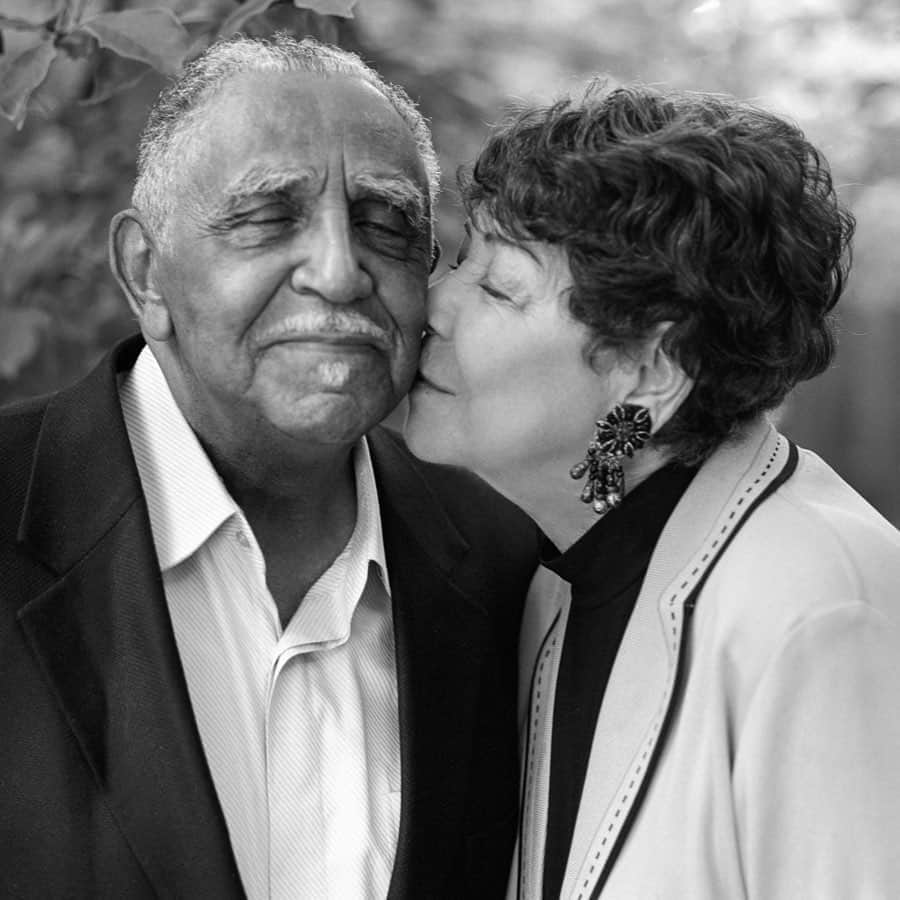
x=711 y=653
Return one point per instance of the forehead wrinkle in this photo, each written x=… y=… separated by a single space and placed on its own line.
x=397 y=190
x=378 y=130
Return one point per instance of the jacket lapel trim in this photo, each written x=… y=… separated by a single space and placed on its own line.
x=443 y=638
x=638 y=705
x=406 y=496
x=529 y=859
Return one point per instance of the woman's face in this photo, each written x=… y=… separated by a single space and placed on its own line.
x=505 y=384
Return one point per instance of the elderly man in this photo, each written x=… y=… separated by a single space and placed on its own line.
x=248 y=646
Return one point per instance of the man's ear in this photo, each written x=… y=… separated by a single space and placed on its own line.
x=132 y=255
x=658 y=381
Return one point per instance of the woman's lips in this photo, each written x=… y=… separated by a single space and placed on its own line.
x=423 y=379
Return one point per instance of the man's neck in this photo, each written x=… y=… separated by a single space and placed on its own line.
x=302 y=516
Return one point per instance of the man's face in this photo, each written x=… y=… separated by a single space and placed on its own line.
x=296 y=262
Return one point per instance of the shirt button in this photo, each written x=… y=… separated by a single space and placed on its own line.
x=243 y=540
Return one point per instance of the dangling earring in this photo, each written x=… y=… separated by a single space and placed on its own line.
x=624 y=430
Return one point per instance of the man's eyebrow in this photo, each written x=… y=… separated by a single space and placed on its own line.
x=265 y=180
x=397 y=190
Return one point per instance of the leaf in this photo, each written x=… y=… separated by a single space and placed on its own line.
x=246 y=11
x=21 y=24
x=113 y=74
x=21 y=76
x=191 y=12
x=36 y=14
x=252 y=8
x=77 y=44
x=20 y=338
x=342 y=8
x=153 y=36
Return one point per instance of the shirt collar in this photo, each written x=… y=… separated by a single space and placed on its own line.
x=325 y=617
x=367 y=539
x=187 y=501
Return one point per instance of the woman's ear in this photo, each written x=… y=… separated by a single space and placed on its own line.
x=132 y=257
x=658 y=381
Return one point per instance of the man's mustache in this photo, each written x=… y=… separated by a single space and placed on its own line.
x=338 y=326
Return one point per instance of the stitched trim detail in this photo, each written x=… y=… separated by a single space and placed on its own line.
x=534 y=719
x=606 y=837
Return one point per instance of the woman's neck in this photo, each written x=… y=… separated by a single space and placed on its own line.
x=551 y=498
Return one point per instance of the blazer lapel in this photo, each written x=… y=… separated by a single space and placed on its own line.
x=442 y=637
x=541 y=644
x=102 y=636
x=646 y=677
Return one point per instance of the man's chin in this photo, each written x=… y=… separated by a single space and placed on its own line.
x=328 y=418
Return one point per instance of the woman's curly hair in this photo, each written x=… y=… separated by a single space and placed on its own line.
x=688 y=208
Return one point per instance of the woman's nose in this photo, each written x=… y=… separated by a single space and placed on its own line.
x=441 y=305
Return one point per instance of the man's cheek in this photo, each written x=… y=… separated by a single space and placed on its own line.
x=409 y=314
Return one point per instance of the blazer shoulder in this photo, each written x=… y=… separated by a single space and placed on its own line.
x=21 y=419
x=834 y=507
x=20 y=427
x=814 y=545
x=816 y=516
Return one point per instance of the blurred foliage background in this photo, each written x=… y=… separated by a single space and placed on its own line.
x=833 y=66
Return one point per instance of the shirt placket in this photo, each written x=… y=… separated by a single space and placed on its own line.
x=294 y=757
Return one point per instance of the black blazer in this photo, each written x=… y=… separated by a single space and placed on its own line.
x=104 y=787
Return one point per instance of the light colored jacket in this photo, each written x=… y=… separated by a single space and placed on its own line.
x=748 y=745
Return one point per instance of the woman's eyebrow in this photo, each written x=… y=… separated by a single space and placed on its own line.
x=494 y=236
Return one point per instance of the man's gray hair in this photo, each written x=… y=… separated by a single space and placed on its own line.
x=170 y=124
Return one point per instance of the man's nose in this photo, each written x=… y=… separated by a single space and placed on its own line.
x=330 y=265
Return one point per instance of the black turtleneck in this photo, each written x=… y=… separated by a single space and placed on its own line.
x=605 y=568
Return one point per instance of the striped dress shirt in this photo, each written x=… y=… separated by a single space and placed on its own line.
x=299 y=725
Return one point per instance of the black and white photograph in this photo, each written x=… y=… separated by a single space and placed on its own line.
x=448 y=449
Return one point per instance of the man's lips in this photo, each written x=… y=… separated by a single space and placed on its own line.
x=344 y=339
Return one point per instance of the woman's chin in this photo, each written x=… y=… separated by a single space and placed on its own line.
x=427 y=433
